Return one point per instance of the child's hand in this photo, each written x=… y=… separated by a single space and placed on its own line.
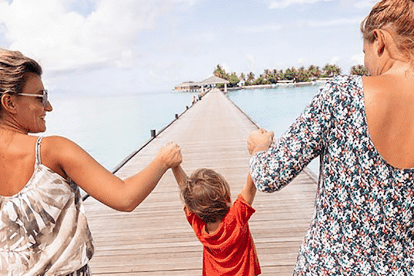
x=259 y=140
x=170 y=155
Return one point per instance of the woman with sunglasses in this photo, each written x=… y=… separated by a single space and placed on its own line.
x=43 y=229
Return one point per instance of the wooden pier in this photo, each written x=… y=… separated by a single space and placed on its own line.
x=156 y=239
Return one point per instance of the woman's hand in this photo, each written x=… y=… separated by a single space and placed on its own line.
x=259 y=140
x=170 y=155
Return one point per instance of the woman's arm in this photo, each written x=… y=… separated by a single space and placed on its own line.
x=122 y=195
x=273 y=168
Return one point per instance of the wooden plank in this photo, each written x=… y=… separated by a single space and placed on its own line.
x=156 y=239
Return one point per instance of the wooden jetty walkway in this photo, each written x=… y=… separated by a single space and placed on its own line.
x=156 y=239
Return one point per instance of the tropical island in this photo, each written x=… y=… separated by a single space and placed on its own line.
x=271 y=77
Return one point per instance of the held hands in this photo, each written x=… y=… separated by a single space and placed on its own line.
x=170 y=155
x=259 y=140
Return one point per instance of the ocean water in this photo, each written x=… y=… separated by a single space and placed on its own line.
x=276 y=109
x=112 y=127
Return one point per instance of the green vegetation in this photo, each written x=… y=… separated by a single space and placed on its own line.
x=359 y=70
x=290 y=74
x=221 y=73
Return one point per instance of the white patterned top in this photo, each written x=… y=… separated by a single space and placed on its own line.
x=43 y=228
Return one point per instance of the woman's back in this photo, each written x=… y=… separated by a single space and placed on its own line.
x=363 y=220
x=17 y=161
x=43 y=220
x=389 y=104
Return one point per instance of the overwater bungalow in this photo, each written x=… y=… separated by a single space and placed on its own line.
x=212 y=82
x=188 y=86
x=202 y=86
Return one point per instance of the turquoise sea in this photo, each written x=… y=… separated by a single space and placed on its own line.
x=276 y=109
x=112 y=127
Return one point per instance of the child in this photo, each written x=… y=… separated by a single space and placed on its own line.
x=221 y=227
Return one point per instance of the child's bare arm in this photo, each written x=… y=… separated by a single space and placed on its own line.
x=179 y=174
x=249 y=191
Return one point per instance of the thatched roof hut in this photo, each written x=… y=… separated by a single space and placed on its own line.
x=213 y=80
x=188 y=86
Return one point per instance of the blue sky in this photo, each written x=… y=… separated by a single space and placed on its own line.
x=134 y=46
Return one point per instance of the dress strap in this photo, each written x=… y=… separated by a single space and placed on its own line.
x=38 y=159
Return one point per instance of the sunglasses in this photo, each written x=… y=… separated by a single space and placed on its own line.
x=43 y=96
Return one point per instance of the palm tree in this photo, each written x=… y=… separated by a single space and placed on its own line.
x=336 y=70
x=314 y=71
x=331 y=70
x=303 y=75
x=242 y=76
x=290 y=73
x=318 y=71
x=359 y=70
x=267 y=73
x=233 y=79
x=281 y=75
x=250 y=77
x=219 y=71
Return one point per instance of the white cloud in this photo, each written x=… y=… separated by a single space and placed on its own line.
x=64 y=39
x=188 y=2
x=359 y=4
x=335 y=60
x=331 y=23
x=365 y=4
x=261 y=29
x=281 y=4
x=252 y=61
x=359 y=59
x=300 y=24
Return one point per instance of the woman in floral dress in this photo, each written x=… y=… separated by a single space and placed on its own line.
x=362 y=128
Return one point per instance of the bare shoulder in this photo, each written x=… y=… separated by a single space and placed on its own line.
x=55 y=150
x=57 y=145
x=56 y=139
x=393 y=85
x=376 y=91
x=388 y=107
x=372 y=83
x=62 y=149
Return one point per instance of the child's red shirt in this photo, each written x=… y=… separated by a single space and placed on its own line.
x=229 y=250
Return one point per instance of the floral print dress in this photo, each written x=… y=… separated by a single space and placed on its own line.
x=363 y=217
